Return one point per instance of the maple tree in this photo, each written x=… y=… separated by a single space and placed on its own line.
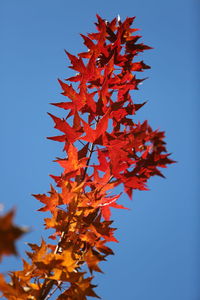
x=103 y=148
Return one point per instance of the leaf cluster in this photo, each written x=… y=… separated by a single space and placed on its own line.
x=103 y=148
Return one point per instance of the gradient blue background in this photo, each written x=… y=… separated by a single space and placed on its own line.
x=158 y=254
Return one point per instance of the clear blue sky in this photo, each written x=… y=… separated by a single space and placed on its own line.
x=158 y=254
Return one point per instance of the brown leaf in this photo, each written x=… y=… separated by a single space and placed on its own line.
x=9 y=233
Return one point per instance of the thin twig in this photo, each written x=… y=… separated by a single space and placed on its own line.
x=81 y=142
x=88 y=161
x=54 y=290
x=46 y=287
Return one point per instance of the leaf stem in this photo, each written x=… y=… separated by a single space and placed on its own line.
x=53 y=291
x=47 y=286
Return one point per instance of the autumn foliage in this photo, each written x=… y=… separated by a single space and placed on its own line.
x=103 y=148
x=9 y=233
